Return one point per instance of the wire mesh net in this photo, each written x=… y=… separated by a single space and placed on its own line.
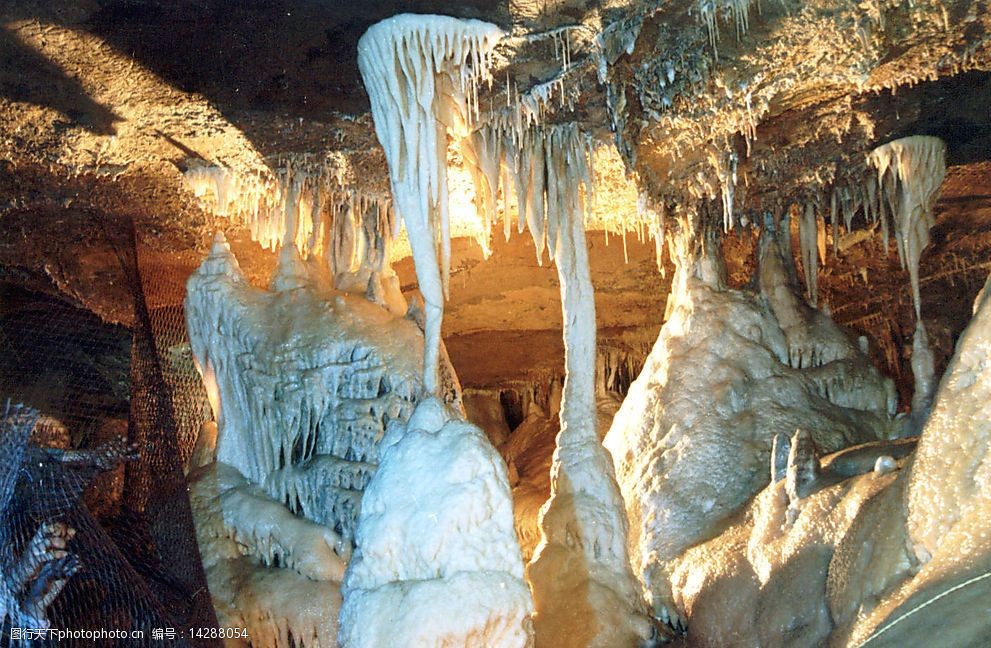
x=97 y=543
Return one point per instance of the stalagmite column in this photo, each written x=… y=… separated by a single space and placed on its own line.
x=910 y=172
x=583 y=588
x=437 y=562
x=419 y=86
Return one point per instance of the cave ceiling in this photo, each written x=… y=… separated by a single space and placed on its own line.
x=105 y=103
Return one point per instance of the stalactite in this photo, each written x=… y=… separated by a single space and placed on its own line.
x=910 y=171
x=284 y=205
x=807 y=235
x=739 y=11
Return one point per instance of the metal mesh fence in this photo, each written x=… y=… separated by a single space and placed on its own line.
x=97 y=543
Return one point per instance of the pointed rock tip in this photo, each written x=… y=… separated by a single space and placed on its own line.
x=220 y=244
x=291 y=272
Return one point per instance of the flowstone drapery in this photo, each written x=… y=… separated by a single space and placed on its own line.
x=304 y=382
x=729 y=371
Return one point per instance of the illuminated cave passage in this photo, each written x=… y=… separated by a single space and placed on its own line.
x=529 y=324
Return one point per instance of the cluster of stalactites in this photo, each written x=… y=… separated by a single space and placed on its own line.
x=725 y=168
x=308 y=207
x=738 y=10
x=545 y=170
x=910 y=172
x=530 y=106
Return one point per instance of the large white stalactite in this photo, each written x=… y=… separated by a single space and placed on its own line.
x=910 y=171
x=419 y=86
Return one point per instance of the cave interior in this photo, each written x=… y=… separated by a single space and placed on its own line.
x=563 y=323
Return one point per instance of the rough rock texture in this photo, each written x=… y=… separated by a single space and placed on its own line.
x=771 y=565
x=101 y=115
x=692 y=439
x=848 y=562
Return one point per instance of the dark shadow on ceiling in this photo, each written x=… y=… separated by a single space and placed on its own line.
x=296 y=57
x=955 y=109
x=27 y=76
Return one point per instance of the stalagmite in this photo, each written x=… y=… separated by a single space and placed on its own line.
x=924 y=372
x=437 y=561
x=420 y=86
x=338 y=383
x=947 y=500
x=729 y=373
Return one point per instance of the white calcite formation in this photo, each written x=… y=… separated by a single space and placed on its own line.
x=437 y=562
x=946 y=519
x=541 y=171
x=730 y=371
x=304 y=382
x=422 y=73
x=808 y=230
x=910 y=172
x=584 y=591
x=271 y=573
x=949 y=480
x=736 y=10
x=864 y=547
